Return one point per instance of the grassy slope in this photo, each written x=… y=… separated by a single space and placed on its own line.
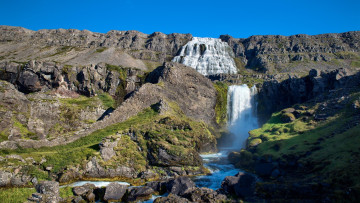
x=329 y=148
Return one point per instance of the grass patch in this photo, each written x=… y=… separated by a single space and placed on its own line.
x=328 y=148
x=76 y=152
x=121 y=70
x=221 y=103
x=107 y=100
x=15 y=195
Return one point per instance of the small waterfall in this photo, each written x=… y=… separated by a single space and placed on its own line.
x=208 y=56
x=241 y=113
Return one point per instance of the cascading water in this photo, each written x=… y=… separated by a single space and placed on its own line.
x=241 y=113
x=241 y=119
x=208 y=56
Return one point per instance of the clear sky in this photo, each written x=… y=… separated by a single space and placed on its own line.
x=202 y=18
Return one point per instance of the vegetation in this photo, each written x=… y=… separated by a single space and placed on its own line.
x=15 y=195
x=329 y=148
x=221 y=103
x=101 y=49
x=107 y=100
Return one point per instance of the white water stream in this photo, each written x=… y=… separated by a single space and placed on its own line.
x=241 y=119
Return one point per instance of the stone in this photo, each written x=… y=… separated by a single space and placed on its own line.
x=171 y=198
x=5 y=178
x=140 y=193
x=84 y=189
x=157 y=186
x=115 y=191
x=241 y=185
x=179 y=186
x=48 y=187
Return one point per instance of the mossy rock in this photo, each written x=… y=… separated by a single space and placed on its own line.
x=254 y=142
x=287 y=117
x=243 y=159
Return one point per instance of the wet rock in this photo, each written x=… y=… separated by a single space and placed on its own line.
x=157 y=186
x=180 y=186
x=115 y=191
x=140 y=193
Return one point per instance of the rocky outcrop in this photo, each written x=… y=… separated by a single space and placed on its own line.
x=47 y=191
x=275 y=95
x=269 y=52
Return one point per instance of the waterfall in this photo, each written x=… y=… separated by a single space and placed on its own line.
x=241 y=113
x=208 y=56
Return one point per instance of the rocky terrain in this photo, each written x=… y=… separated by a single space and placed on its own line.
x=78 y=105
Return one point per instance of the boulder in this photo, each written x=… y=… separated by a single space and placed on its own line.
x=157 y=186
x=115 y=191
x=139 y=193
x=84 y=189
x=241 y=185
x=48 y=187
x=5 y=178
x=180 y=186
x=171 y=198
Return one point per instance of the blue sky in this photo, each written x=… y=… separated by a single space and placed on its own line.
x=202 y=18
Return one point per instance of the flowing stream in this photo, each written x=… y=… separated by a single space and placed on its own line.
x=241 y=119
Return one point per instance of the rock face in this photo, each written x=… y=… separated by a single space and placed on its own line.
x=274 y=95
x=75 y=47
x=271 y=52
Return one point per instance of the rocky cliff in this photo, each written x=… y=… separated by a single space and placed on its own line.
x=268 y=53
x=276 y=53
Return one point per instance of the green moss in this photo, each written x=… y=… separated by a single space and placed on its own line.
x=128 y=154
x=100 y=50
x=23 y=129
x=15 y=195
x=121 y=70
x=329 y=147
x=107 y=100
x=254 y=142
x=66 y=192
x=221 y=103
x=62 y=50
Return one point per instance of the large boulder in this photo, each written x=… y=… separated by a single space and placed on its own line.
x=180 y=186
x=139 y=193
x=241 y=185
x=115 y=192
x=5 y=178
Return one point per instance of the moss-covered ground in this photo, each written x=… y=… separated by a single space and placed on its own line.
x=327 y=148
